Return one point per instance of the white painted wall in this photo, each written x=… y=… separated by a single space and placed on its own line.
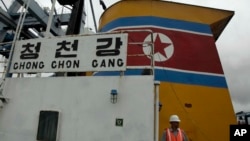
x=85 y=108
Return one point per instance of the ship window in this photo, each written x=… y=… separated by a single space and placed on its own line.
x=47 y=126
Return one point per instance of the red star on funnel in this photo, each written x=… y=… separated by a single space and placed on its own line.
x=160 y=46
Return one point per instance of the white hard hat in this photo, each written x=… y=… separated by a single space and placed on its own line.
x=174 y=118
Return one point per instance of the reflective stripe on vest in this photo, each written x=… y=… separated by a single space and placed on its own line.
x=171 y=137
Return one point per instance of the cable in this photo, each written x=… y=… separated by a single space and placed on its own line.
x=104 y=7
x=93 y=14
x=4 y=5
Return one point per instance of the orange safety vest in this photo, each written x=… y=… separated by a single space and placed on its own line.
x=171 y=137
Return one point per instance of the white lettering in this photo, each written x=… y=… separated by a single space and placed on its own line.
x=239 y=132
x=243 y=131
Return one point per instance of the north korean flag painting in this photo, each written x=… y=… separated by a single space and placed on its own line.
x=184 y=52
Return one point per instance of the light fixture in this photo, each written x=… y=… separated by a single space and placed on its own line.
x=113 y=95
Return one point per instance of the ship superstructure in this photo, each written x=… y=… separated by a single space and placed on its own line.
x=121 y=83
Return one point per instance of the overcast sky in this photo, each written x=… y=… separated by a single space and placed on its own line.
x=233 y=44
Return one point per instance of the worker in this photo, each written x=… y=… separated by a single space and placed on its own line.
x=174 y=133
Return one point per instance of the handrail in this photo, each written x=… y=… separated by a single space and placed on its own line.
x=148 y=43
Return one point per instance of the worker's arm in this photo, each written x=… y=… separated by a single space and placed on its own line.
x=163 y=138
x=185 y=138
